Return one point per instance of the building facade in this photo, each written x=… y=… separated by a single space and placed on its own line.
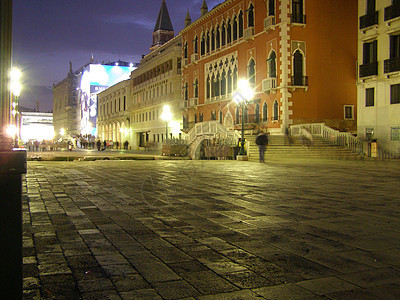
x=293 y=53
x=113 y=123
x=156 y=83
x=379 y=72
x=65 y=104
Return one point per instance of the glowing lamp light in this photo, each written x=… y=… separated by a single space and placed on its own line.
x=11 y=130
x=62 y=131
x=166 y=114
x=245 y=89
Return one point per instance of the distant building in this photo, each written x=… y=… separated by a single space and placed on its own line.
x=113 y=123
x=299 y=57
x=75 y=97
x=379 y=72
x=36 y=126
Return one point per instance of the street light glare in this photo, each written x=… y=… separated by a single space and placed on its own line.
x=15 y=74
x=166 y=114
x=245 y=89
x=11 y=130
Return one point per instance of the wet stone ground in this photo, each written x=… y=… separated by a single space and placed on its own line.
x=212 y=230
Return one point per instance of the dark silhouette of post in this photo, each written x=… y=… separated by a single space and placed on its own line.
x=12 y=166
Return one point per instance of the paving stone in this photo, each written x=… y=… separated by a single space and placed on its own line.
x=145 y=294
x=175 y=289
x=90 y=285
x=239 y=295
x=373 y=277
x=327 y=285
x=208 y=282
x=130 y=282
x=285 y=291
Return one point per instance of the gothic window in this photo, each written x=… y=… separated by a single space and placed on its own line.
x=213 y=115
x=272 y=65
x=195 y=118
x=195 y=45
x=208 y=43
x=229 y=82
x=250 y=16
x=276 y=111
x=229 y=32
x=212 y=40
x=208 y=88
x=234 y=79
x=265 y=112
x=241 y=24
x=217 y=82
x=185 y=50
x=223 y=34
x=218 y=38
x=203 y=46
x=257 y=113
x=186 y=88
x=213 y=86
x=201 y=117
x=298 y=68
x=223 y=83
x=196 y=88
x=251 y=70
x=235 y=29
x=220 y=116
x=271 y=8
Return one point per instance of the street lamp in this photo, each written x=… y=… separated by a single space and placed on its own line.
x=166 y=116
x=242 y=96
x=16 y=91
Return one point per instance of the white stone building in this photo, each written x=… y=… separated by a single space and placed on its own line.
x=379 y=73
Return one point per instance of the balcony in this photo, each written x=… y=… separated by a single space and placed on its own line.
x=269 y=84
x=249 y=33
x=193 y=102
x=392 y=12
x=299 y=80
x=297 y=18
x=185 y=62
x=368 y=20
x=194 y=57
x=269 y=22
x=370 y=69
x=392 y=65
x=184 y=104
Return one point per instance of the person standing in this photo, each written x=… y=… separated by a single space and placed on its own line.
x=98 y=145
x=262 y=142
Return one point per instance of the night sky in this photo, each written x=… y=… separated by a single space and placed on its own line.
x=48 y=34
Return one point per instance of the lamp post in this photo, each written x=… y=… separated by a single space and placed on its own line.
x=166 y=117
x=16 y=91
x=242 y=96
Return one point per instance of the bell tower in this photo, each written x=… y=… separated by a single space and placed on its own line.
x=163 y=31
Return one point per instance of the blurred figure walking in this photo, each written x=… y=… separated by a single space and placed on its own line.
x=262 y=142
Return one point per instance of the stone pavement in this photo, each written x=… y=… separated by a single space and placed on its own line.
x=309 y=229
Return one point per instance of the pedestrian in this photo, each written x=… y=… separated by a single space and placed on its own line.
x=105 y=145
x=126 y=145
x=307 y=138
x=98 y=145
x=117 y=144
x=288 y=138
x=262 y=142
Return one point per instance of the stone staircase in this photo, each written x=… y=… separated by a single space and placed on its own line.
x=279 y=149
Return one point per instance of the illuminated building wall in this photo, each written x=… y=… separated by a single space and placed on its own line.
x=36 y=126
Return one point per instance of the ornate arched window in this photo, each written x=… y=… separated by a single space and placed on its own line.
x=195 y=45
x=217 y=37
x=185 y=50
x=272 y=65
x=208 y=88
x=208 y=43
x=298 y=68
x=276 y=111
x=241 y=26
x=234 y=80
x=250 y=16
x=257 y=113
x=251 y=72
x=229 y=32
x=220 y=116
x=223 y=83
x=235 y=29
x=203 y=45
x=213 y=86
x=212 y=39
x=229 y=80
x=223 y=34
x=265 y=112
x=186 y=91
x=196 y=88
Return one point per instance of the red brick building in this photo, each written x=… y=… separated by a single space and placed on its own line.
x=298 y=55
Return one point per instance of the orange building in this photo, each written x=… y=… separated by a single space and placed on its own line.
x=298 y=55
